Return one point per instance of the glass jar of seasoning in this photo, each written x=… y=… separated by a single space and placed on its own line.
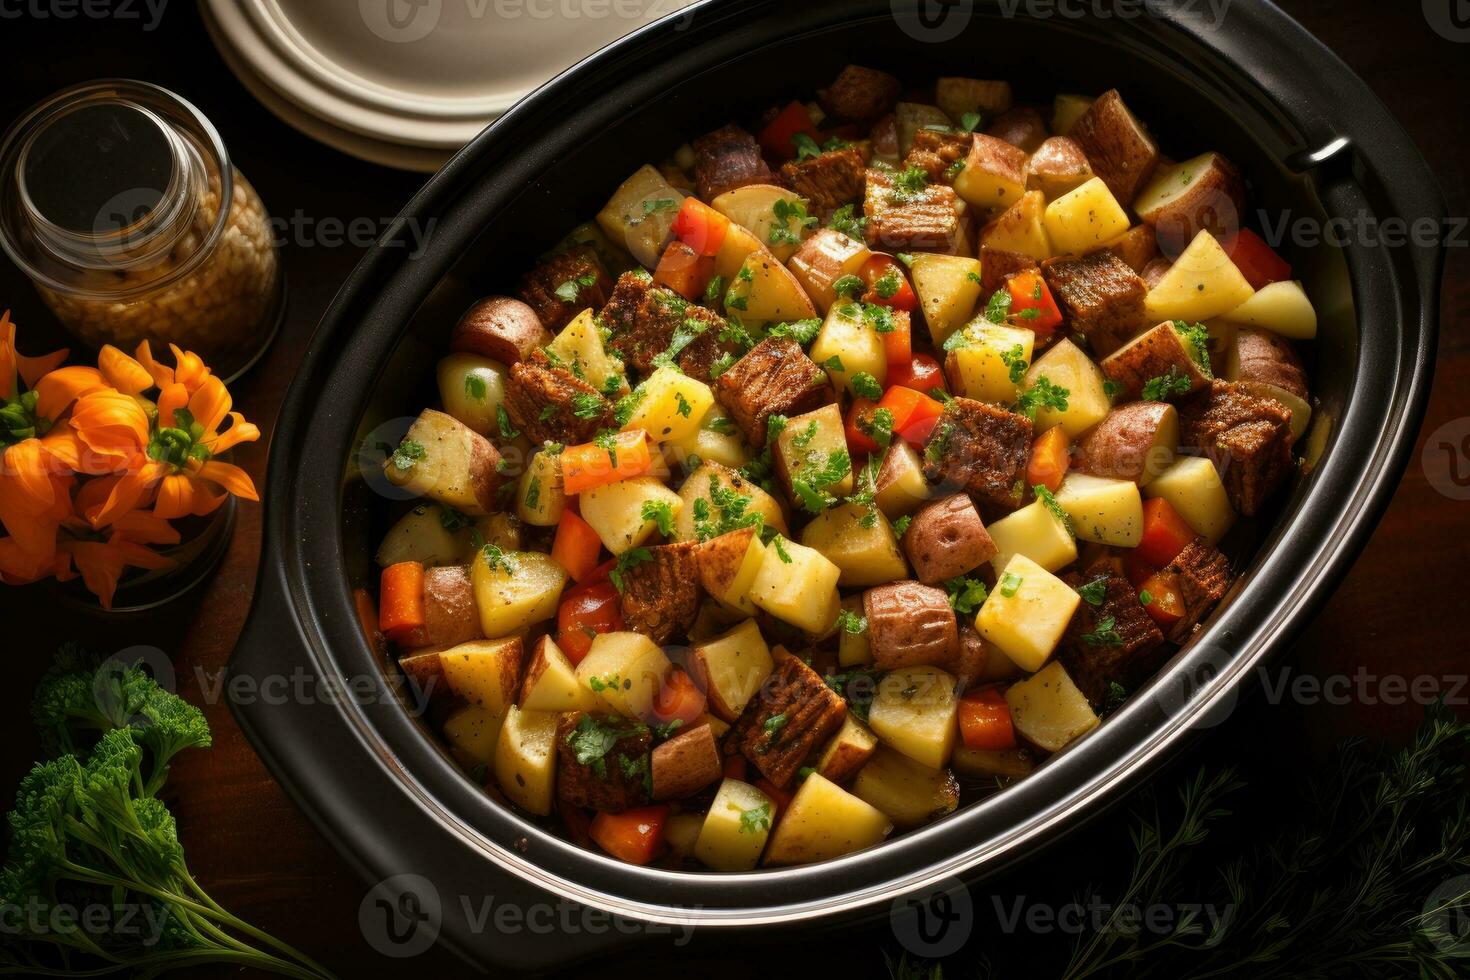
x=119 y=201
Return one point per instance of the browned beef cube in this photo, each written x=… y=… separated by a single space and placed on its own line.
x=860 y=94
x=1247 y=438
x=981 y=449
x=597 y=775
x=576 y=273
x=1101 y=297
x=620 y=313
x=774 y=378
x=828 y=181
x=907 y=217
x=652 y=327
x=726 y=159
x=793 y=713
x=661 y=593
x=551 y=404
x=934 y=151
x=1112 y=641
x=998 y=265
x=1120 y=150
x=1202 y=574
x=707 y=349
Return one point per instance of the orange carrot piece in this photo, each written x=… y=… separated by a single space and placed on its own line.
x=401 y=600
x=684 y=270
x=576 y=547
x=985 y=720
x=635 y=836
x=1165 y=533
x=1048 y=463
x=591 y=465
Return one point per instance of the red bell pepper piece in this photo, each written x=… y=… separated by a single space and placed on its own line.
x=859 y=443
x=635 y=836
x=1256 y=260
x=1165 y=602
x=914 y=413
x=585 y=612
x=1165 y=533
x=700 y=226
x=985 y=721
x=777 y=139
x=1032 y=304
x=922 y=373
x=884 y=274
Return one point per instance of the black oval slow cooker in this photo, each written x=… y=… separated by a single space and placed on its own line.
x=1315 y=144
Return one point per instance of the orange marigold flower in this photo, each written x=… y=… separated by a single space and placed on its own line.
x=13 y=364
x=189 y=368
x=102 y=563
x=113 y=426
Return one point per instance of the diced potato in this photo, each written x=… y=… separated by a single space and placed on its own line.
x=1102 y=510
x=615 y=510
x=848 y=345
x=551 y=682
x=580 y=347
x=979 y=367
x=637 y=219
x=698 y=486
x=996 y=666
x=1083 y=219
x=473 y=733
x=1027 y=612
x=1280 y=307
x=988 y=764
x=1066 y=366
x=901 y=484
x=754 y=207
x=442 y=458
x=1192 y=486
x=1035 y=532
x=1020 y=228
x=809 y=444
x=540 y=499
x=908 y=793
x=824 y=821
x=717 y=439
x=994 y=175
x=738 y=245
x=420 y=535
x=525 y=759
x=733 y=667
x=520 y=588
x=672 y=406
x=484 y=672
x=854 y=649
x=727 y=568
x=910 y=117
x=852 y=746
x=915 y=711
x=625 y=671
x=797 y=584
x=948 y=289
x=680 y=833
x=1049 y=710
x=867 y=555
x=735 y=828
x=1301 y=412
x=501 y=530
x=1202 y=283
x=471 y=388
x=1067 y=109
x=823 y=259
x=764 y=292
x=959 y=96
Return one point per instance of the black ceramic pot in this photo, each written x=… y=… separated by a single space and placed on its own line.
x=1312 y=140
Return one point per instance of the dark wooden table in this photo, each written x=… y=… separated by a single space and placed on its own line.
x=1394 y=616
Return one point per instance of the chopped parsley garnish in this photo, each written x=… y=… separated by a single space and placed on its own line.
x=965 y=594
x=1111 y=388
x=1162 y=387
x=850 y=622
x=901 y=526
x=682 y=405
x=608 y=439
x=1042 y=394
x=846 y=220
x=1009 y=584
x=593 y=739
x=1094 y=592
x=533 y=493
x=848 y=286
x=1015 y=360
x=954 y=169
x=474 y=387
x=714 y=289
x=813 y=479
x=661 y=514
x=775 y=723
x=495 y=558
x=1049 y=499
x=1196 y=337
x=626 y=562
x=1117 y=694
x=1145 y=598
x=502 y=420
x=786 y=212
x=877 y=426
x=777 y=543
x=407 y=453
x=568 y=291
x=625 y=407
x=864 y=385
x=547 y=412
x=733 y=512
x=1104 y=635
x=756 y=819
x=801 y=331
x=721 y=364
x=998 y=308
x=834 y=364
x=969 y=121
x=805 y=147
x=658 y=204
x=908 y=185
x=587 y=405
x=888 y=284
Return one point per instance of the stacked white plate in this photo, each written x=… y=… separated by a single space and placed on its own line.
x=407 y=82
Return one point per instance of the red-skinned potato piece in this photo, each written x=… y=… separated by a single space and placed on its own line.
x=1057 y=166
x=1134 y=442
x=686 y=764
x=910 y=625
x=946 y=539
x=1120 y=150
x=500 y=328
x=1205 y=193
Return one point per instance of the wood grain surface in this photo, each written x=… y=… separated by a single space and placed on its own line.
x=1396 y=614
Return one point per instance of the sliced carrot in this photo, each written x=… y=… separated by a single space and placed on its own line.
x=678 y=699
x=914 y=414
x=1165 y=602
x=590 y=465
x=859 y=443
x=898 y=343
x=635 y=836
x=586 y=612
x=1032 y=304
x=684 y=270
x=885 y=268
x=576 y=547
x=1048 y=463
x=700 y=226
x=985 y=720
x=1165 y=533
x=401 y=601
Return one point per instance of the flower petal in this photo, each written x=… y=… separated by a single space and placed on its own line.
x=111 y=423
x=57 y=390
x=161 y=375
x=231 y=477
x=175 y=498
x=189 y=368
x=171 y=398
x=145 y=528
x=238 y=432
x=210 y=404
x=129 y=492
x=101 y=566
x=19 y=567
x=122 y=372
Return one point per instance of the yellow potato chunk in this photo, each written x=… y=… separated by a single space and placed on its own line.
x=980 y=365
x=1083 y=219
x=733 y=668
x=948 y=288
x=1066 y=366
x=515 y=589
x=1049 y=710
x=615 y=511
x=824 y=821
x=1192 y=486
x=525 y=759
x=1035 y=532
x=1027 y=612
x=473 y=732
x=797 y=584
x=1280 y=307
x=735 y=828
x=484 y=672
x=914 y=711
x=1020 y=228
x=671 y=405
x=624 y=670
x=1102 y=510
x=1202 y=283
x=860 y=542
x=847 y=345
x=909 y=793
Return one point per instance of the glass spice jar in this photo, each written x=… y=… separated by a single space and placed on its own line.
x=119 y=201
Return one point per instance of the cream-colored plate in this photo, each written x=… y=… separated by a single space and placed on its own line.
x=408 y=82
